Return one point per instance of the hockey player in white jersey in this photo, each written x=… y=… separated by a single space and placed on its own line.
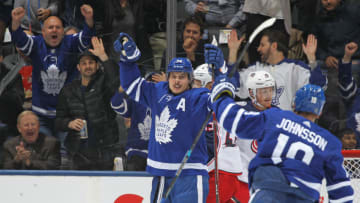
x=177 y=114
x=294 y=154
x=289 y=74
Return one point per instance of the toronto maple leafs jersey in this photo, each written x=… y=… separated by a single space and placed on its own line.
x=305 y=152
x=139 y=131
x=176 y=120
x=351 y=95
x=289 y=75
x=52 y=67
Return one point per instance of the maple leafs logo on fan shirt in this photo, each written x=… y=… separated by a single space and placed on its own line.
x=53 y=80
x=164 y=126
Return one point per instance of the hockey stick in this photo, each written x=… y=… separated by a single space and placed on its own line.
x=185 y=159
x=267 y=23
x=260 y=28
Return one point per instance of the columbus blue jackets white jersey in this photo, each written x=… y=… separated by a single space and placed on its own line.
x=176 y=120
x=139 y=131
x=234 y=154
x=52 y=67
x=289 y=75
x=305 y=152
x=351 y=94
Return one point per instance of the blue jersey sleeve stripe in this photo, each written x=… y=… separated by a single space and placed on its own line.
x=81 y=41
x=122 y=108
x=314 y=186
x=342 y=200
x=136 y=53
x=236 y=121
x=223 y=115
x=133 y=85
x=338 y=185
x=138 y=91
x=28 y=46
x=175 y=166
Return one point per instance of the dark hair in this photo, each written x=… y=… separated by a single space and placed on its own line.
x=196 y=20
x=344 y=131
x=280 y=38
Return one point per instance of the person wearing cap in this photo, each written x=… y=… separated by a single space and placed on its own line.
x=88 y=99
x=177 y=113
x=53 y=56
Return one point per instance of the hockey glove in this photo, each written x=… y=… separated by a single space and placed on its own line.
x=214 y=55
x=127 y=48
x=222 y=86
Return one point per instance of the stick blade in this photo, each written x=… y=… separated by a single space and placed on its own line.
x=267 y=23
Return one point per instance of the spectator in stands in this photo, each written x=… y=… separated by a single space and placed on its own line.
x=139 y=130
x=348 y=138
x=257 y=11
x=11 y=101
x=54 y=60
x=36 y=12
x=88 y=99
x=289 y=75
x=220 y=13
x=21 y=63
x=349 y=90
x=70 y=30
x=192 y=45
x=5 y=17
x=70 y=13
x=127 y=16
x=31 y=149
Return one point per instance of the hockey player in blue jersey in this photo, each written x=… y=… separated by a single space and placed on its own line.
x=177 y=114
x=139 y=130
x=294 y=154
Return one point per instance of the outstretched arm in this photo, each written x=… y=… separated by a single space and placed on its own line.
x=88 y=13
x=16 y=15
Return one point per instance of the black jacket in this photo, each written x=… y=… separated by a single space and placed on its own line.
x=93 y=105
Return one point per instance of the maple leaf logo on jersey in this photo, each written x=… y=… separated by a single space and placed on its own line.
x=164 y=126
x=145 y=127
x=52 y=80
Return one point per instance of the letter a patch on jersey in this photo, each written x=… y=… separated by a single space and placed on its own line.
x=164 y=126
x=181 y=105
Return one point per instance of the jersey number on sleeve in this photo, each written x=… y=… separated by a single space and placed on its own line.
x=282 y=141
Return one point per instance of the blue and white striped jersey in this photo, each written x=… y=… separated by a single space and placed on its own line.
x=52 y=67
x=305 y=152
x=176 y=120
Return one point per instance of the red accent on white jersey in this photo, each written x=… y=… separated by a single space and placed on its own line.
x=229 y=160
x=248 y=149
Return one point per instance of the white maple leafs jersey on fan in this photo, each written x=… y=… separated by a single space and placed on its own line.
x=289 y=75
x=305 y=152
x=176 y=120
x=234 y=154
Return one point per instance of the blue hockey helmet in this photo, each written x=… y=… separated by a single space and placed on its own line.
x=309 y=98
x=179 y=64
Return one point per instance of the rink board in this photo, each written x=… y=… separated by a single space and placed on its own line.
x=72 y=186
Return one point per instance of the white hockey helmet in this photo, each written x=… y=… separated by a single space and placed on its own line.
x=259 y=79
x=203 y=74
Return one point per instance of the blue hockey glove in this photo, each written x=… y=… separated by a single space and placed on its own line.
x=222 y=86
x=214 y=55
x=127 y=48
